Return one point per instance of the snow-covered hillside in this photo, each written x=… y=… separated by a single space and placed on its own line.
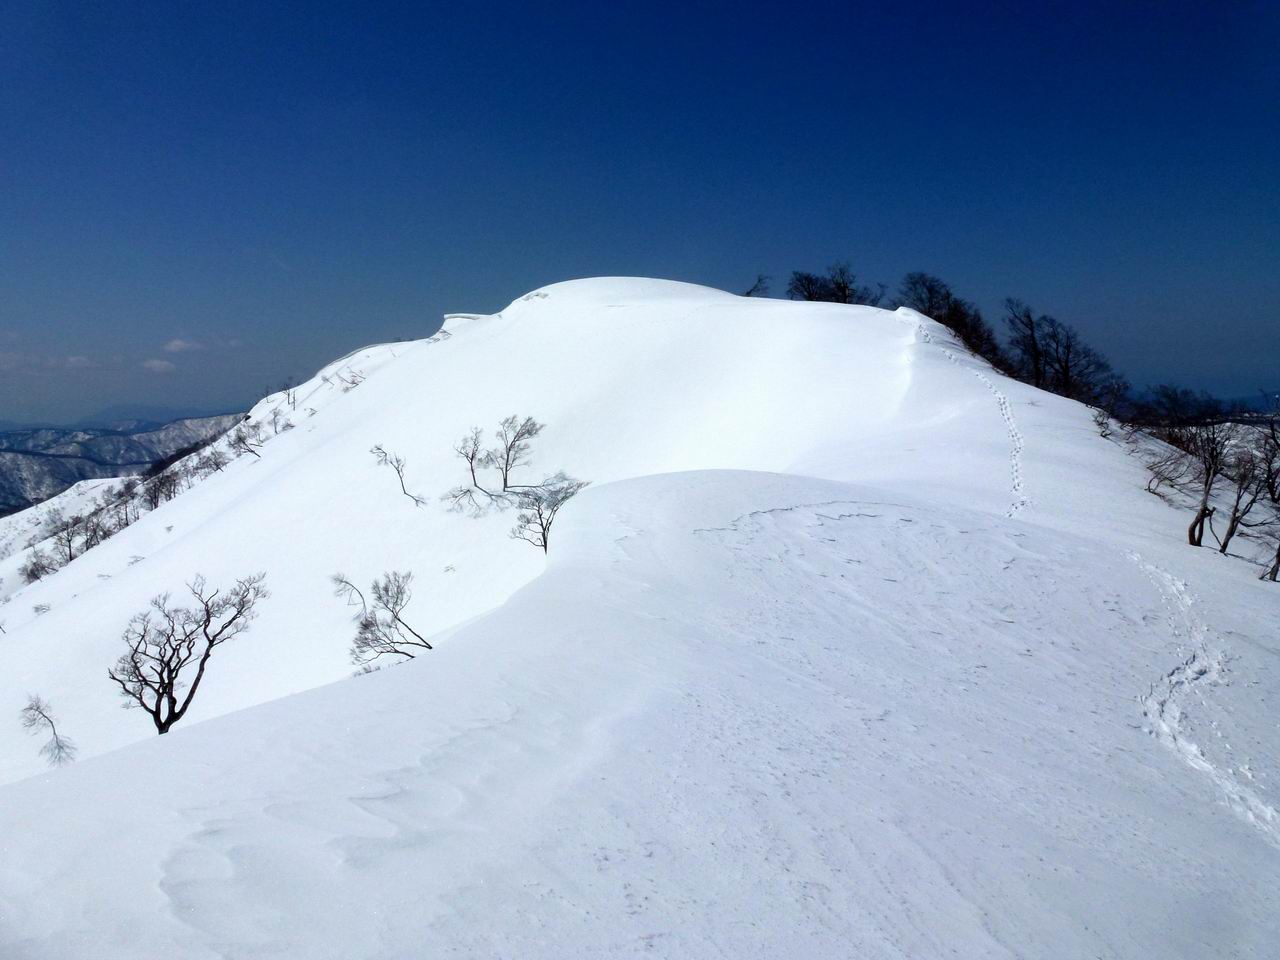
x=853 y=648
x=40 y=462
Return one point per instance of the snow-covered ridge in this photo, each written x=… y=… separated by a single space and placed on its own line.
x=852 y=646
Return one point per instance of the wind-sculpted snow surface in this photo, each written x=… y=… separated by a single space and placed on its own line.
x=853 y=648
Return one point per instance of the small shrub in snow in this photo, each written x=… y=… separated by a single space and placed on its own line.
x=397 y=464
x=381 y=629
x=538 y=509
x=246 y=438
x=538 y=503
x=37 y=716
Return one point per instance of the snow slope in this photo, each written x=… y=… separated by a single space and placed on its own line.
x=854 y=647
x=39 y=462
x=18 y=530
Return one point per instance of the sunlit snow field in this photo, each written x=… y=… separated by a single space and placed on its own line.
x=853 y=648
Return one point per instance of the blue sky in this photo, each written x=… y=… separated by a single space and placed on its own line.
x=200 y=200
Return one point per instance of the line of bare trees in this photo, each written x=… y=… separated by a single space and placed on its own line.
x=1039 y=349
x=1223 y=457
x=60 y=538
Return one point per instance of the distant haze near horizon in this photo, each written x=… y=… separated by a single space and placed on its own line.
x=203 y=202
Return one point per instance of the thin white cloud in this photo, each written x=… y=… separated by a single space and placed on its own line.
x=179 y=345
x=159 y=366
x=235 y=342
x=80 y=363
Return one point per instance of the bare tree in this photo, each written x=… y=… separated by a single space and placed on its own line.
x=844 y=285
x=760 y=288
x=511 y=452
x=162 y=488
x=397 y=464
x=839 y=285
x=1207 y=446
x=212 y=461
x=928 y=295
x=1246 y=470
x=808 y=286
x=64 y=537
x=1270 y=470
x=169 y=647
x=37 y=717
x=1026 y=335
x=925 y=294
x=538 y=509
x=470 y=449
x=380 y=626
x=538 y=503
x=37 y=566
x=1074 y=369
x=246 y=438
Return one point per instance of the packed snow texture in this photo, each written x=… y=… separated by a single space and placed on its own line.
x=854 y=647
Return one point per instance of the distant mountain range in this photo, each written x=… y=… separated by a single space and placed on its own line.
x=38 y=462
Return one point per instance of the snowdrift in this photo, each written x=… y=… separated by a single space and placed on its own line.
x=853 y=647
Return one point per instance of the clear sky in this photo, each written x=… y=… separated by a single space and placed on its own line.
x=198 y=200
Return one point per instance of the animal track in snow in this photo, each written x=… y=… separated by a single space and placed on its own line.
x=1020 y=499
x=1162 y=704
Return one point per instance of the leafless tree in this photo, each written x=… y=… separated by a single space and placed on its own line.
x=290 y=388
x=213 y=460
x=1207 y=446
x=538 y=503
x=162 y=488
x=925 y=294
x=538 y=509
x=1270 y=470
x=96 y=526
x=1074 y=369
x=246 y=438
x=37 y=566
x=125 y=510
x=807 y=286
x=928 y=295
x=64 y=538
x=1247 y=472
x=839 y=285
x=37 y=717
x=352 y=380
x=169 y=647
x=760 y=288
x=1026 y=342
x=397 y=464
x=511 y=452
x=380 y=626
